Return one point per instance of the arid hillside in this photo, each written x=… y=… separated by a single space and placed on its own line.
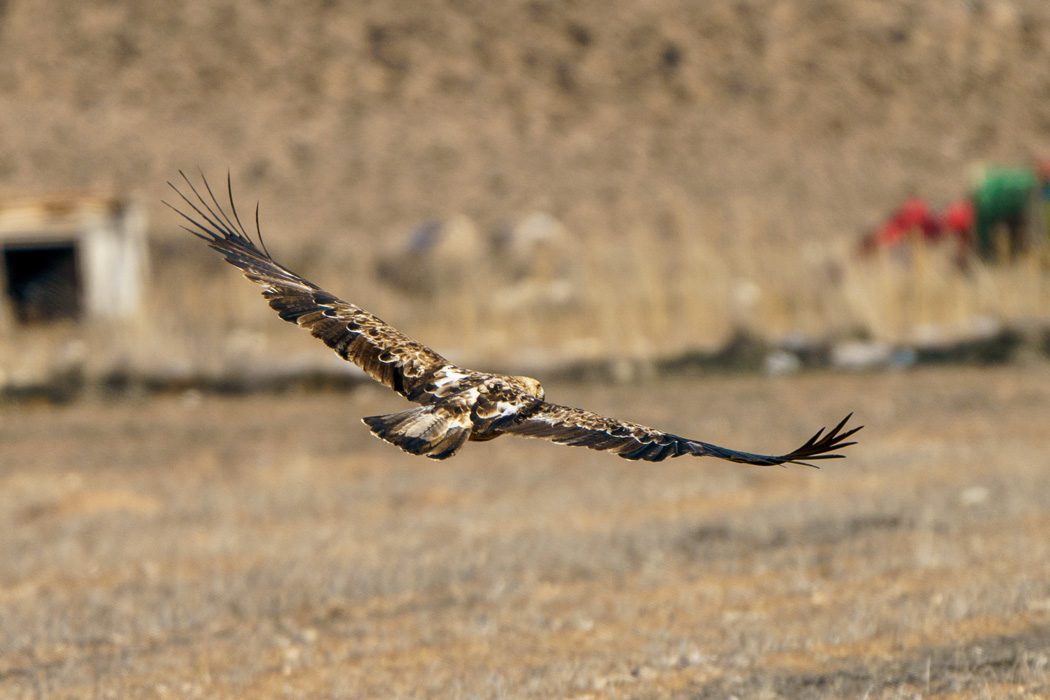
x=711 y=163
x=351 y=120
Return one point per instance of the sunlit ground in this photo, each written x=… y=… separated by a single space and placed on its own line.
x=269 y=547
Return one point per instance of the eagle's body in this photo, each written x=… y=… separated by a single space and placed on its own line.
x=456 y=404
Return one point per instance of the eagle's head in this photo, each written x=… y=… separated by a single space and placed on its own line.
x=531 y=387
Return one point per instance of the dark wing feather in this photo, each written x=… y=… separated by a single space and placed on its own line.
x=574 y=426
x=386 y=354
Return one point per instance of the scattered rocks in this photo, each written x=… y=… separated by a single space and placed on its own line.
x=989 y=343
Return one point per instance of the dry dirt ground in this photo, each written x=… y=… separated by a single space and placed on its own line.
x=264 y=547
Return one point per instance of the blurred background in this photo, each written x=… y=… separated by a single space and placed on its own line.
x=633 y=202
x=519 y=184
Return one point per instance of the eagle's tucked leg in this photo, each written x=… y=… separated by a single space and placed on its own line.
x=435 y=431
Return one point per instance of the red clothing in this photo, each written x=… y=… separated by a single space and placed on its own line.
x=958 y=218
x=914 y=217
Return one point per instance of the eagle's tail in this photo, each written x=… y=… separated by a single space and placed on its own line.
x=435 y=431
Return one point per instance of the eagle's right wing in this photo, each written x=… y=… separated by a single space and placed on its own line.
x=382 y=351
x=575 y=426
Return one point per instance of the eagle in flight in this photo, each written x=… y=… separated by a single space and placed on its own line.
x=456 y=404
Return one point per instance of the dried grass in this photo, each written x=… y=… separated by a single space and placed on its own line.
x=261 y=547
x=642 y=293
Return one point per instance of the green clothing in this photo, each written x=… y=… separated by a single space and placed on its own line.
x=1044 y=205
x=1003 y=196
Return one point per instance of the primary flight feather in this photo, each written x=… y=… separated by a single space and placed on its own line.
x=456 y=404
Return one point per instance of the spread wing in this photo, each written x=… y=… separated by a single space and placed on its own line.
x=574 y=426
x=383 y=352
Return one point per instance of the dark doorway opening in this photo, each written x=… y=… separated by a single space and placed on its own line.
x=43 y=282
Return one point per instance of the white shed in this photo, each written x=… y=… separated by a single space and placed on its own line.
x=78 y=256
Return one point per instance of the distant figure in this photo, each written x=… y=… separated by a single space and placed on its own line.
x=1014 y=200
x=1042 y=169
x=914 y=218
x=957 y=221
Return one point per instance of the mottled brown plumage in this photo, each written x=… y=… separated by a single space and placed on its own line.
x=456 y=404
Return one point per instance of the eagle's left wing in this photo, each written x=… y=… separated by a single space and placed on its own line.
x=574 y=426
x=383 y=352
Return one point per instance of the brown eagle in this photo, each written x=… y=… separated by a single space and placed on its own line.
x=456 y=404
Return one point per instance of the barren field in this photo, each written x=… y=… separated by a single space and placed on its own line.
x=215 y=547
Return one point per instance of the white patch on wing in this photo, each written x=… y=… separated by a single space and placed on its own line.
x=446 y=377
x=507 y=409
